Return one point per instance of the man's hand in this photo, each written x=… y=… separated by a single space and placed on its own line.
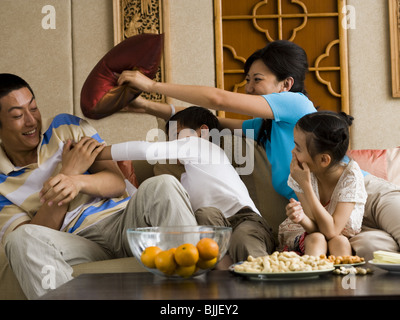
x=77 y=158
x=60 y=190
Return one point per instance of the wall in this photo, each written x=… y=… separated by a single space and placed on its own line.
x=56 y=62
x=376 y=113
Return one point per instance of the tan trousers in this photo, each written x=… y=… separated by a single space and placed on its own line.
x=41 y=258
x=381 y=223
x=251 y=234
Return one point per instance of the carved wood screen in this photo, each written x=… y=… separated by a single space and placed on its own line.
x=242 y=27
x=132 y=17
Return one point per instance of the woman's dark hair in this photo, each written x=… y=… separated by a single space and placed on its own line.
x=194 y=117
x=328 y=133
x=284 y=59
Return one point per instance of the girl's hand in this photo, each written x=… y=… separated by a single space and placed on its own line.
x=294 y=211
x=136 y=80
x=300 y=172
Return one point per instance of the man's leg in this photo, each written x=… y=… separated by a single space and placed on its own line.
x=159 y=201
x=41 y=258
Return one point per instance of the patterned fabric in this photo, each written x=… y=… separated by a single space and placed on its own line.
x=20 y=186
x=350 y=188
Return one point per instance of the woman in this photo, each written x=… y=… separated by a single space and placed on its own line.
x=275 y=97
x=272 y=73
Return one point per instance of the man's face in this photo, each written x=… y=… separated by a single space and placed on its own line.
x=21 y=122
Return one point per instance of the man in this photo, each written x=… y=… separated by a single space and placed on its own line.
x=60 y=207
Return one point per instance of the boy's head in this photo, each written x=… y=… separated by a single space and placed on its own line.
x=192 y=121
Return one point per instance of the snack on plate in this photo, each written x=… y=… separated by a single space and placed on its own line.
x=381 y=256
x=343 y=259
x=352 y=270
x=283 y=262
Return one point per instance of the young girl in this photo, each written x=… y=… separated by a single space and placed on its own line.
x=331 y=193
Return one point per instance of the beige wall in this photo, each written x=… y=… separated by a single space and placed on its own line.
x=56 y=62
x=377 y=114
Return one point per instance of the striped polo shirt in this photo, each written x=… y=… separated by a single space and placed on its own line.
x=20 y=186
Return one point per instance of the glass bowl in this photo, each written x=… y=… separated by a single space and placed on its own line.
x=178 y=246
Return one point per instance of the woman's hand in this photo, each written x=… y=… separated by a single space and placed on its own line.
x=136 y=80
x=138 y=105
x=77 y=158
x=294 y=211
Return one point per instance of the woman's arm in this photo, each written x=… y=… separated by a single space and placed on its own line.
x=208 y=97
x=158 y=109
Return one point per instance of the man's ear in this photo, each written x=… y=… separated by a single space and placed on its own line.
x=287 y=84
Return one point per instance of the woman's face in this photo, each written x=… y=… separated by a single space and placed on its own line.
x=260 y=80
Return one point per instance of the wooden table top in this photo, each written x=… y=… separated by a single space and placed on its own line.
x=224 y=285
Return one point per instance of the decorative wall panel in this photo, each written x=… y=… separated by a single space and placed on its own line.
x=242 y=27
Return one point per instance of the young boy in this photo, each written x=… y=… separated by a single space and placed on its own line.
x=217 y=194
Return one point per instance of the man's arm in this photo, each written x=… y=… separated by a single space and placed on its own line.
x=106 y=179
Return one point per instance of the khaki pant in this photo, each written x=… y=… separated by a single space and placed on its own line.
x=381 y=223
x=251 y=234
x=41 y=258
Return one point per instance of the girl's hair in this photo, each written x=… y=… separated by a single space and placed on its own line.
x=284 y=59
x=328 y=132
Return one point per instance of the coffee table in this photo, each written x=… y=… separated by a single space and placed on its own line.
x=224 y=285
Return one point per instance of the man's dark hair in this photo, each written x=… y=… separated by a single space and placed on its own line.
x=194 y=117
x=10 y=82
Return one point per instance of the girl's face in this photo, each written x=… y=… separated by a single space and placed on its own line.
x=260 y=80
x=300 y=150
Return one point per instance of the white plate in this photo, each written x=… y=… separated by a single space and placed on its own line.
x=392 y=267
x=290 y=275
x=347 y=265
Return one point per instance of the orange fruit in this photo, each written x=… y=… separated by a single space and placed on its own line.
x=208 y=249
x=186 y=255
x=206 y=264
x=186 y=272
x=148 y=255
x=165 y=262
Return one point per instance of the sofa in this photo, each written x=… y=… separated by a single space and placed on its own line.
x=383 y=163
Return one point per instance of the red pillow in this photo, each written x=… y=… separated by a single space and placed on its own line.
x=100 y=95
